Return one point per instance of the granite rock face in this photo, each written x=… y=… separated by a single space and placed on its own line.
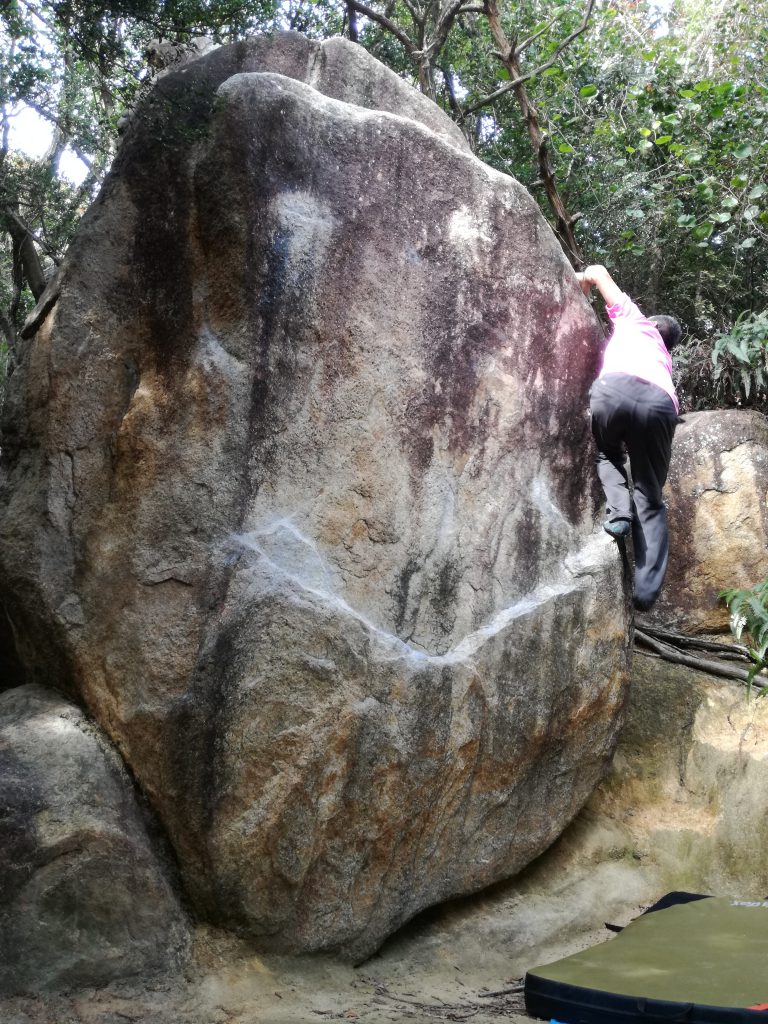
x=718 y=516
x=297 y=494
x=84 y=897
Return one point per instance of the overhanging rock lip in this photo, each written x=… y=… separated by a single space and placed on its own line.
x=338 y=107
x=284 y=83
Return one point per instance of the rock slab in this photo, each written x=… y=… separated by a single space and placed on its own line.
x=297 y=495
x=84 y=897
x=718 y=517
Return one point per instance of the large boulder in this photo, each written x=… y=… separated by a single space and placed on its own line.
x=297 y=496
x=84 y=897
x=718 y=517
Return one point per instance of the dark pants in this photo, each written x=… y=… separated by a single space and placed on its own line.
x=631 y=416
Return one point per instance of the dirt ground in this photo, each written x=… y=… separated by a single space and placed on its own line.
x=463 y=961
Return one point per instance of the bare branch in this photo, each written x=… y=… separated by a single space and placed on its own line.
x=34 y=11
x=385 y=22
x=444 y=25
x=532 y=39
x=6 y=326
x=415 y=13
x=563 y=220
x=22 y=227
x=351 y=15
x=565 y=43
x=733 y=651
x=451 y=90
x=5 y=133
x=66 y=133
x=486 y=101
x=513 y=52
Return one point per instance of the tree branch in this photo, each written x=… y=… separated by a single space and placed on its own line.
x=418 y=16
x=508 y=53
x=713 y=668
x=385 y=22
x=66 y=133
x=6 y=326
x=452 y=97
x=22 y=226
x=27 y=254
x=490 y=98
x=532 y=39
x=351 y=14
x=563 y=220
x=569 y=39
x=734 y=651
x=444 y=24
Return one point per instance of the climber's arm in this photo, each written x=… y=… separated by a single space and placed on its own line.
x=599 y=277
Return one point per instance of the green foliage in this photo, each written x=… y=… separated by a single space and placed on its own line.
x=667 y=161
x=693 y=374
x=727 y=372
x=740 y=361
x=749 y=615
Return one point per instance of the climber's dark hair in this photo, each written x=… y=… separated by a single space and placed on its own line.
x=669 y=329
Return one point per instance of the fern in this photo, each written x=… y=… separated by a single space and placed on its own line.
x=749 y=616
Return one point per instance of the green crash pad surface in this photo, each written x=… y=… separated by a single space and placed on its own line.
x=711 y=952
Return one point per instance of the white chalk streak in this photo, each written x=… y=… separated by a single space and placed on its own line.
x=281 y=559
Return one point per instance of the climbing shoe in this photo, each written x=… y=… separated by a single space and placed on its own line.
x=617 y=528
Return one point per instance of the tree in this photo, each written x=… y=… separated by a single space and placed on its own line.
x=652 y=131
x=659 y=139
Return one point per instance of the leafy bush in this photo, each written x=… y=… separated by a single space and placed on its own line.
x=730 y=372
x=740 y=360
x=693 y=375
x=749 y=614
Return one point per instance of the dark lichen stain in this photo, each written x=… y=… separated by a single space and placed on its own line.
x=12 y=669
x=156 y=168
x=528 y=547
x=446 y=401
x=196 y=764
x=443 y=591
x=402 y=593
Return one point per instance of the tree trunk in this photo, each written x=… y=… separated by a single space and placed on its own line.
x=563 y=220
x=23 y=244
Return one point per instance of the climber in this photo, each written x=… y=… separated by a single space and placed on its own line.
x=634 y=411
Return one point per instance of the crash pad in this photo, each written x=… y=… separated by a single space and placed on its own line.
x=704 y=960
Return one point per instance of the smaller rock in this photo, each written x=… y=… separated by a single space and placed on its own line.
x=718 y=516
x=84 y=898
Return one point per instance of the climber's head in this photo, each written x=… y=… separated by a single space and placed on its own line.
x=670 y=330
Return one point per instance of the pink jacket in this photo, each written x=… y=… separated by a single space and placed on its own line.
x=636 y=347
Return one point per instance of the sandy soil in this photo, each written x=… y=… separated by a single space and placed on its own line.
x=463 y=961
